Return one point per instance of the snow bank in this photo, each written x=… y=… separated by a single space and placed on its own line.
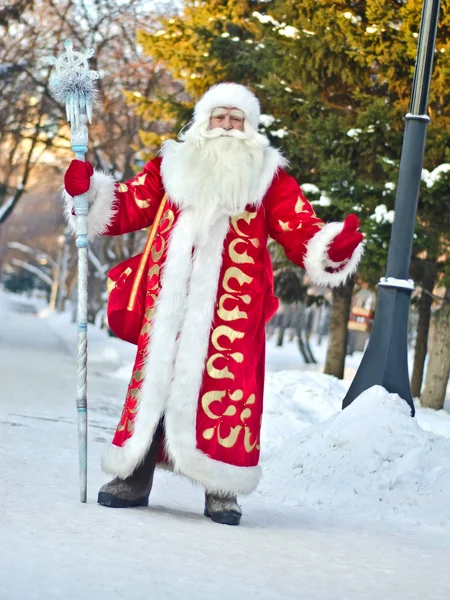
x=296 y=400
x=371 y=458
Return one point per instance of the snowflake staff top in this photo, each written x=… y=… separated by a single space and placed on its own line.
x=74 y=84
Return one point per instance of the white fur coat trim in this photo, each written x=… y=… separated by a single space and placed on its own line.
x=102 y=208
x=175 y=185
x=174 y=368
x=229 y=95
x=317 y=261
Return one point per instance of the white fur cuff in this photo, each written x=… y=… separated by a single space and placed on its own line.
x=317 y=261
x=102 y=200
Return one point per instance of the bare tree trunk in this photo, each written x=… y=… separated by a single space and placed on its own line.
x=338 y=333
x=438 y=370
x=423 y=328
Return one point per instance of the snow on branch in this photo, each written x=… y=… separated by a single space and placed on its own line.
x=32 y=269
x=101 y=269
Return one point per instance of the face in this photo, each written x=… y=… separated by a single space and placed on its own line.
x=227 y=118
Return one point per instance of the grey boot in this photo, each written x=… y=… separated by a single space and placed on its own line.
x=135 y=489
x=222 y=508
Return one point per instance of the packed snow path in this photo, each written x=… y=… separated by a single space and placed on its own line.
x=53 y=547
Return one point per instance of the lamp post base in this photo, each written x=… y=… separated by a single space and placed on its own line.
x=385 y=361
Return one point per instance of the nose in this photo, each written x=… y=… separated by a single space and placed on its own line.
x=227 y=123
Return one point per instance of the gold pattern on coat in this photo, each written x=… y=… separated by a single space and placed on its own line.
x=133 y=394
x=299 y=205
x=227 y=332
x=247 y=443
x=224 y=373
x=138 y=375
x=286 y=227
x=231 y=439
x=239 y=275
x=111 y=284
x=122 y=187
x=139 y=180
x=149 y=313
x=170 y=216
x=208 y=399
x=146 y=328
x=236 y=257
x=156 y=254
x=229 y=315
x=245 y=216
x=155 y=270
x=216 y=396
x=141 y=203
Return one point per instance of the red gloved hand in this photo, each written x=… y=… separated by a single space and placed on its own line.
x=346 y=242
x=77 y=177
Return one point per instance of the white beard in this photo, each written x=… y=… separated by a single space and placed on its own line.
x=217 y=172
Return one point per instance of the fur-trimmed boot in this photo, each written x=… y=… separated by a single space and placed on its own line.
x=135 y=489
x=222 y=508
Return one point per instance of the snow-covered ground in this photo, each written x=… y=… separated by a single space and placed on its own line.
x=353 y=505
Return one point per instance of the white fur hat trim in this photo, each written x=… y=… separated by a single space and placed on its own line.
x=229 y=95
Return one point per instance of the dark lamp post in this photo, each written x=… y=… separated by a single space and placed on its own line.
x=385 y=361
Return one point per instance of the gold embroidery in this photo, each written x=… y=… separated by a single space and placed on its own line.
x=237 y=395
x=230 y=411
x=229 y=315
x=156 y=254
x=251 y=399
x=235 y=273
x=138 y=375
x=235 y=256
x=246 y=413
x=254 y=242
x=110 y=285
x=299 y=205
x=245 y=216
x=170 y=216
x=142 y=262
x=284 y=225
x=142 y=203
x=215 y=373
x=122 y=187
x=150 y=312
x=130 y=426
x=227 y=332
x=208 y=434
x=247 y=444
x=154 y=271
x=146 y=328
x=208 y=399
x=139 y=180
x=230 y=440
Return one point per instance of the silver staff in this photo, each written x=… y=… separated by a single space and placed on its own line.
x=74 y=85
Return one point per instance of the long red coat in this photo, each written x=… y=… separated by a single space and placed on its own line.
x=201 y=352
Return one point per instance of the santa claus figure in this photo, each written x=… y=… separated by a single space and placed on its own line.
x=195 y=399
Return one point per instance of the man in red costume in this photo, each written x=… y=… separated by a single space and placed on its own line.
x=195 y=400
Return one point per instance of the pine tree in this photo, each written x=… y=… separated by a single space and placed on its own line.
x=334 y=79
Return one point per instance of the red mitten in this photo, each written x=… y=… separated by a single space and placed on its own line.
x=77 y=177
x=346 y=242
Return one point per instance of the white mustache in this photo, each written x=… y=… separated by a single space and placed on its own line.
x=221 y=132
